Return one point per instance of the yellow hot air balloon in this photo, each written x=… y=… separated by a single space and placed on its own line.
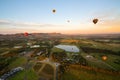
x=95 y=21
x=104 y=58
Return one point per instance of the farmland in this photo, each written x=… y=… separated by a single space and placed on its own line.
x=78 y=59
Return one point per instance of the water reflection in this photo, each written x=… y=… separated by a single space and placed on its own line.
x=70 y=48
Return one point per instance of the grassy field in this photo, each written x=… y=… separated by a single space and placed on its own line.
x=44 y=70
x=3 y=50
x=47 y=72
x=69 y=76
x=37 y=66
x=77 y=73
x=98 y=45
x=54 y=49
x=97 y=61
x=48 y=69
x=20 y=61
x=110 y=59
x=30 y=74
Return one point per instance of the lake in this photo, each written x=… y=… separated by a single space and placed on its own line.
x=69 y=48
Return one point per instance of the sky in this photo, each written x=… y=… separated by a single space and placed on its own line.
x=36 y=16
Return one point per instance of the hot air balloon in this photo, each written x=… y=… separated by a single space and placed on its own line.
x=25 y=34
x=95 y=21
x=68 y=21
x=104 y=58
x=53 y=10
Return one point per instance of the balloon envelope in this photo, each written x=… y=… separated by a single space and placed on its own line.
x=53 y=10
x=95 y=21
x=25 y=34
x=104 y=58
x=68 y=21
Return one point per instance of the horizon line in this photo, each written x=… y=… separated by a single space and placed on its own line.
x=58 y=33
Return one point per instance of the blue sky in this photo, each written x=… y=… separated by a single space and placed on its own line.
x=79 y=12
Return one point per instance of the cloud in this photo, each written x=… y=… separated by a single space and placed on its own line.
x=5 y=22
x=25 y=24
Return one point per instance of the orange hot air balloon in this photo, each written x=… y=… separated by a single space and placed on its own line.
x=25 y=34
x=104 y=58
x=53 y=10
x=95 y=21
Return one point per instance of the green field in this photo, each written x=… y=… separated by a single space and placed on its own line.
x=44 y=70
x=54 y=49
x=77 y=73
x=107 y=49
x=29 y=75
x=84 y=65
x=20 y=61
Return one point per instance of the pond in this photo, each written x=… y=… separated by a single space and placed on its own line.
x=69 y=48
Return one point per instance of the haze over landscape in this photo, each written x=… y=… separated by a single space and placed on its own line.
x=59 y=39
x=36 y=16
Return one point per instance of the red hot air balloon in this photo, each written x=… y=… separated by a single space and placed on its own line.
x=25 y=34
x=95 y=21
